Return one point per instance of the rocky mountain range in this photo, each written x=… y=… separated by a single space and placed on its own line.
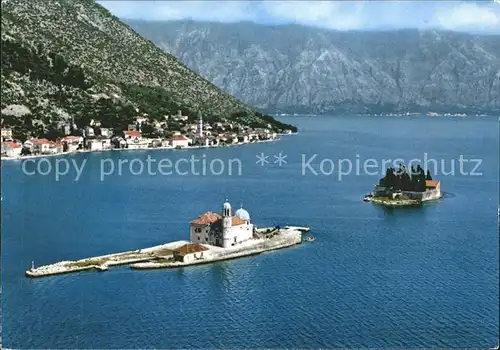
x=297 y=69
x=73 y=60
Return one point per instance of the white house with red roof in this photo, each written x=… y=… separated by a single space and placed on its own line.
x=180 y=141
x=99 y=144
x=55 y=147
x=226 y=230
x=72 y=143
x=41 y=146
x=11 y=149
x=135 y=140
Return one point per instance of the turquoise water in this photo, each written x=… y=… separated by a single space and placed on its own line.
x=419 y=277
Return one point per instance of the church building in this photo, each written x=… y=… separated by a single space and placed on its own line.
x=223 y=230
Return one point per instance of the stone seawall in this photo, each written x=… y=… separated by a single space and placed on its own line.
x=159 y=256
x=101 y=263
x=285 y=239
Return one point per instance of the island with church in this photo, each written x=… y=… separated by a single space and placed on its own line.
x=212 y=237
x=405 y=187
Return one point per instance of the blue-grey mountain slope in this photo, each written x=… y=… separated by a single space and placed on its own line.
x=293 y=68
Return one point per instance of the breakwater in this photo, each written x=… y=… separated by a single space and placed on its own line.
x=162 y=256
x=286 y=238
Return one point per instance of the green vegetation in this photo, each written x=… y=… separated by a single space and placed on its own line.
x=404 y=179
x=65 y=60
x=86 y=263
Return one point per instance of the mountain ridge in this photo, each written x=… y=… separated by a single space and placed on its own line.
x=66 y=59
x=298 y=69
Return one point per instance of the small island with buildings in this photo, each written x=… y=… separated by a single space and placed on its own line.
x=212 y=237
x=405 y=187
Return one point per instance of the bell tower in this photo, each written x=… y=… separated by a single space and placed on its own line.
x=226 y=224
x=200 y=125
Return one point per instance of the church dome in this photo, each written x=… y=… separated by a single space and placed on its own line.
x=227 y=205
x=242 y=214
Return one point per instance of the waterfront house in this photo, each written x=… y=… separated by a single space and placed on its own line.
x=205 y=141
x=55 y=147
x=245 y=138
x=191 y=252
x=11 y=149
x=155 y=142
x=233 y=138
x=6 y=134
x=72 y=143
x=166 y=143
x=132 y=135
x=135 y=140
x=94 y=145
x=118 y=142
x=432 y=190
x=41 y=146
x=180 y=141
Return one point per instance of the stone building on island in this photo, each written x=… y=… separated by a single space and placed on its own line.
x=432 y=191
x=226 y=230
x=191 y=252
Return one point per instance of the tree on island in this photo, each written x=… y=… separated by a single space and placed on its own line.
x=404 y=180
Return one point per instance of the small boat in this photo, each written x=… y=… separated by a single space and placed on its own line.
x=310 y=238
x=368 y=198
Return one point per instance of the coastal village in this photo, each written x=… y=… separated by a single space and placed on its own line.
x=175 y=131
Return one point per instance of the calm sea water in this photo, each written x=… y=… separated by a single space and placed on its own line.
x=420 y=277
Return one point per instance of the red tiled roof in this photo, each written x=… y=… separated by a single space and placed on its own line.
x=210 y=218
x=179 y=138
x=206 y=219
x=431 y=183
x=237 y=221
x=190 y=248
x=40 y=141
x=71 y=137
x=12 y=144
x=132 y=133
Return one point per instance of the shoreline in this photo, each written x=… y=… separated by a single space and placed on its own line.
x=33 y=156
x=401 y=202
x=289 y=239
x=149 y=258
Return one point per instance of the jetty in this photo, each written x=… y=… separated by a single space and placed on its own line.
x=102 y=263
x=178 y=254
